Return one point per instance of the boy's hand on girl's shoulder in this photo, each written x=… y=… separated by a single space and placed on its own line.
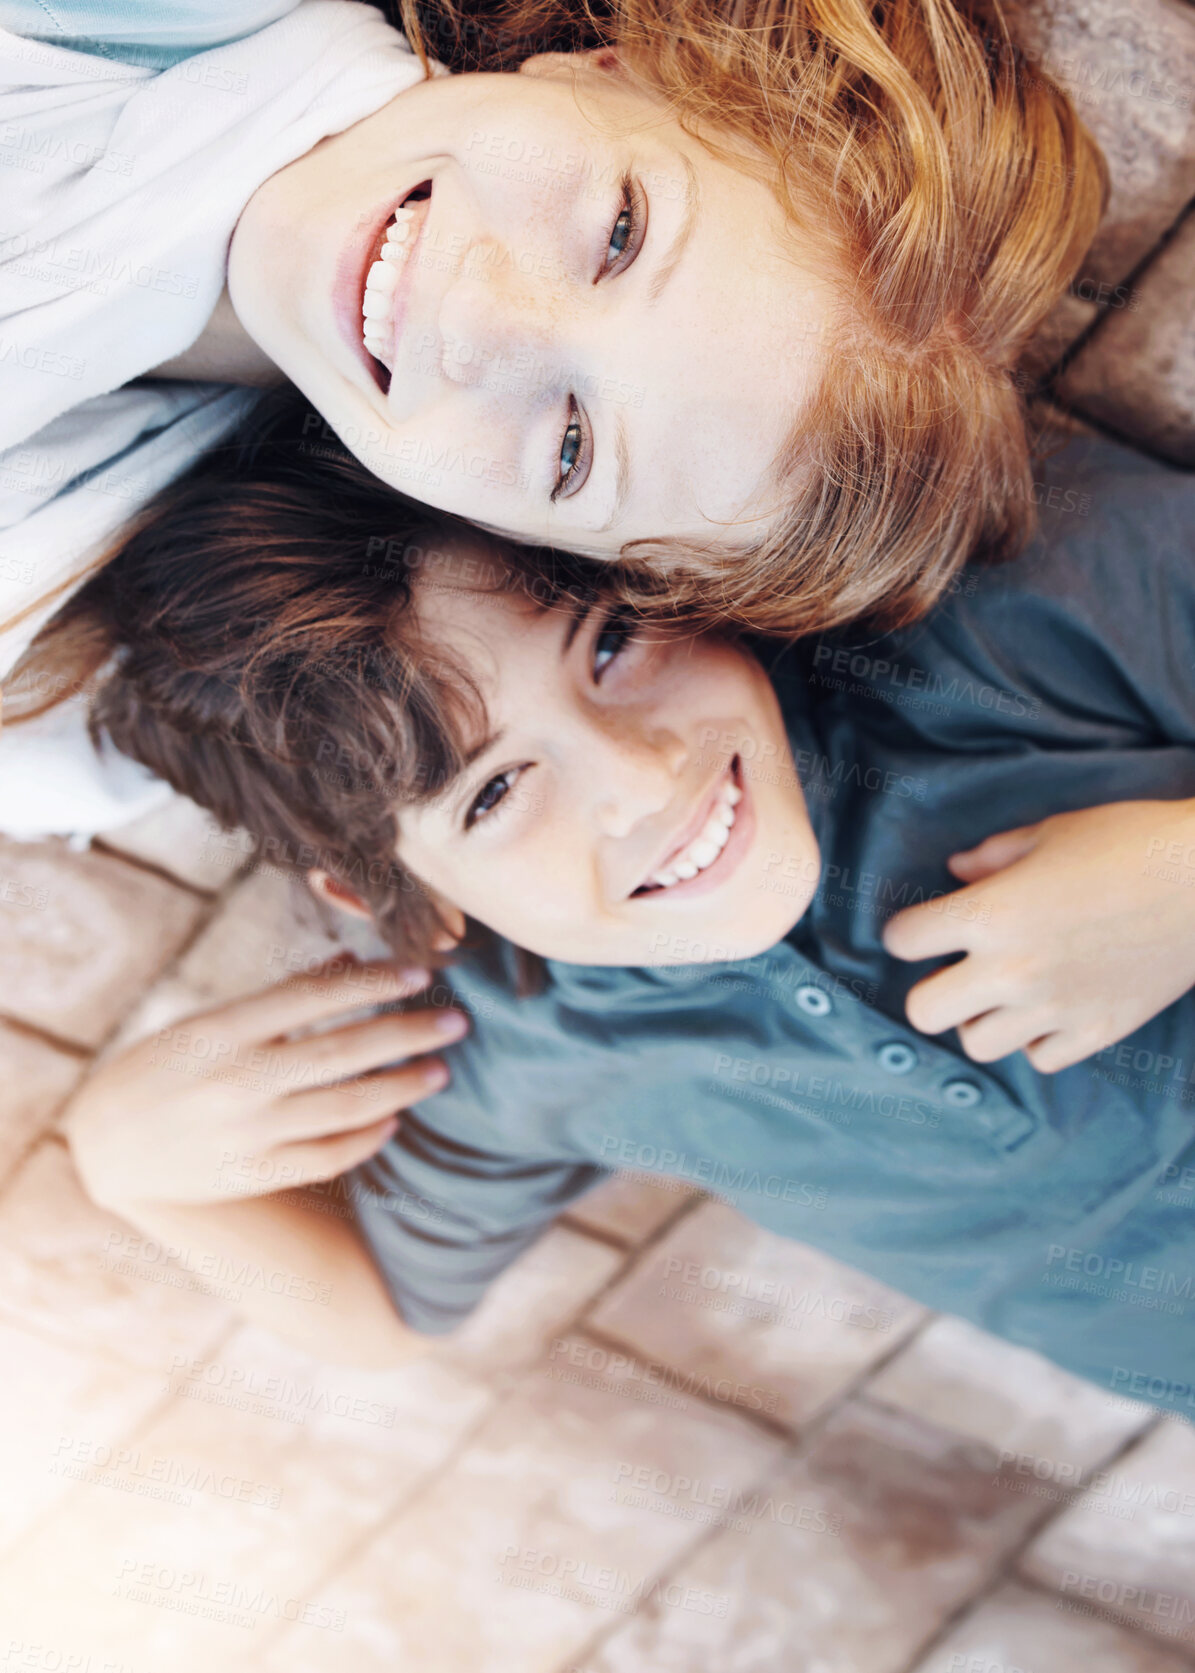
x=229 y=1103
x=1074 y=932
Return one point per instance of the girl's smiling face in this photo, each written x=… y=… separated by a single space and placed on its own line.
x=612 y=811
x=582 y=328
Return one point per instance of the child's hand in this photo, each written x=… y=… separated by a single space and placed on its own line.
x=1076 y=931
x=224 y=1104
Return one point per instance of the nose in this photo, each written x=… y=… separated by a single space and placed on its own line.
x=635 y=769
x=502 y=316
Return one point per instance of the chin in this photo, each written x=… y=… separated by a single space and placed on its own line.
x=708 y=940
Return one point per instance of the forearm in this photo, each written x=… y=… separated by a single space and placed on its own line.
x=303 y=1274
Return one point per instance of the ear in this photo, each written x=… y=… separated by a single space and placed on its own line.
x=453 y=920
x=327 y=888
x=548 y=64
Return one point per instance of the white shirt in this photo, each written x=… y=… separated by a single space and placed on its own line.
x=119 y=191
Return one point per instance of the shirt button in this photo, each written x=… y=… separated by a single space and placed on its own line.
x=963 y=1094
x=814 y=1001
x=897 y=1057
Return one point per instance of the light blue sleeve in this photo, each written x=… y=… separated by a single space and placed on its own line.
x=152 y=33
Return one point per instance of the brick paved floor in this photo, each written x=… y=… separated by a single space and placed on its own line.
x=604 y=1472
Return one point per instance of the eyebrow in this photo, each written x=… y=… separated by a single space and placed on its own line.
x=452 y=796
x=622 y=472
x=577 y=619
x=683 y=234
x=456 y=787
x=660 y=278
x=480 y=749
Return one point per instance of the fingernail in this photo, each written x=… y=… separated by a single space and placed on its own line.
x=435 y=1076
x=452 y=1025
x=416 y=978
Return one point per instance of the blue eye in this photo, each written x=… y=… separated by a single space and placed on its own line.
x=570 y=449
x=627 y=232
x=610 y=642
x=620 y=237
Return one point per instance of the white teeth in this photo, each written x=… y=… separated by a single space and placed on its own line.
x=381 y=282
x=707 y=844
x=382 y=276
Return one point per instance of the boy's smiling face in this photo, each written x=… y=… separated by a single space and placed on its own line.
x=628 y=793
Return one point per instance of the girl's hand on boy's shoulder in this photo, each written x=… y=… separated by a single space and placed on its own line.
x=1074 y=932
x=230 y=1103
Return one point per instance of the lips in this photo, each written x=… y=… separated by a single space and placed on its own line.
x=703 y=840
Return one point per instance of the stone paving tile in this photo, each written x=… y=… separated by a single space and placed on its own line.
x=853 y=1558
x=81 y=935
x=1137 y=374
x=533 y=1300
x=60 y=1408
x=1126 y=1548
x=1066 y=322
x=1021 y=1631
x=534 y=1539
x=74 y=1272
x=35 y=1078
x=269 y=1466
x=185 y=840
x=723 y=1298
x=1041 y=1428
x=629 y=1207
x=1130 y=69
x=264 y=930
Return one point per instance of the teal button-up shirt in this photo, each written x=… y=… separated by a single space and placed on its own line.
x=1056 y=1210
